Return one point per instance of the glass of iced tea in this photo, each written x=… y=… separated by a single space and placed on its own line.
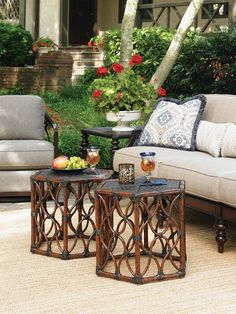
x=93 y=158
x=148 y=164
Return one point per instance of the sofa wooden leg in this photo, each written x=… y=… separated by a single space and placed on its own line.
x=220 y=227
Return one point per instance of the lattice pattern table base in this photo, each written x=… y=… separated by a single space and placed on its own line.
x=61 y=224
x=140 y=231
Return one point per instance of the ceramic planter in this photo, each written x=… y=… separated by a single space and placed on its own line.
x=123 y=119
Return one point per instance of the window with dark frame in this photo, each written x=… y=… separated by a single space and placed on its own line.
x=146 y=15
x=222 y=8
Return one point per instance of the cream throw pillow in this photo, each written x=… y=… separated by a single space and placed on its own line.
x=229 y=142
x=210 y=137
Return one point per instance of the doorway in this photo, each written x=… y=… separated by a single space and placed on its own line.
x=82 y=21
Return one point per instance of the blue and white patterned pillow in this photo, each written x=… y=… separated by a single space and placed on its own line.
x=173 y=123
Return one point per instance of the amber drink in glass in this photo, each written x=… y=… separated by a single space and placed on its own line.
x=147 y=164
x=93 y=158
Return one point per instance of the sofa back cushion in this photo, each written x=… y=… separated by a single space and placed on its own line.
x=21 y=117
x=228 y=148
x=220 y=108
x=210 y=137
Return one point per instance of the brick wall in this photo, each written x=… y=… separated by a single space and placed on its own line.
x=52 y=72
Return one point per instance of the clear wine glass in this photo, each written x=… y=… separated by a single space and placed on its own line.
x=147 y=164
x=93 y=158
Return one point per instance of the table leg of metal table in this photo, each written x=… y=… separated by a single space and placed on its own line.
x=115 y=147
x=84 y=144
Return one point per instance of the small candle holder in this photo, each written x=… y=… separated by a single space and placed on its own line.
x=126 y=174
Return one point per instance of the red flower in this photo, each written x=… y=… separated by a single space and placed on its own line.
x=118 y=96
x=102 y=71
x=142 y=78
x=97 y=93
x=161 y=92
x=90 y=44
x=117 y=67
x=136 y=59
x=131 y=63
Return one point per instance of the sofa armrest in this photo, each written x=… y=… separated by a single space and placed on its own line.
x=49 y=123
x=135 y=134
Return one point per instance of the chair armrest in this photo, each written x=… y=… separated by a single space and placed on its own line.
x=135 y=134
x=49 y=123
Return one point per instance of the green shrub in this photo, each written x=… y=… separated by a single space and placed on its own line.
x=150 y=42
x=72 y=111
x=206 y=64
x=11 y=91
x=15 y=45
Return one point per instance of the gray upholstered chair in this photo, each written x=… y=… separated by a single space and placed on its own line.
x=24 y=142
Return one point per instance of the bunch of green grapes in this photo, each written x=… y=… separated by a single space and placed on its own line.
x=76 y=163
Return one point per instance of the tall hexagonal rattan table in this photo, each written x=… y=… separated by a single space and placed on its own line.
x=140 y=231
x=62 y=225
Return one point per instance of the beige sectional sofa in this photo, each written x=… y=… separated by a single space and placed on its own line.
x=210 y=181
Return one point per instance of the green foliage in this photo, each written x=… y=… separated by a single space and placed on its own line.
x=206 y=64
x=149 y=42
x=69 y=141
x=96 y=42
x=75 y=113
x=15 y=45
x=86 y=79
x=11 y=91
x=111 y=45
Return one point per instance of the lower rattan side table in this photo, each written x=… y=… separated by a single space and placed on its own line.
x=140 y=231
x=61 y=225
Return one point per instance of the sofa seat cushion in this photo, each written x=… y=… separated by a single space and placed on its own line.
x=15 y=181
x=131 y=155
x=228 y=188
x=25 y=154
x=202 y=176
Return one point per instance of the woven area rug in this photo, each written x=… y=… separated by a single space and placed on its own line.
x=38 y=284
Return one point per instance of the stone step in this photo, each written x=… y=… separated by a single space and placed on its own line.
x=79 y=71
x=84 y=58
x=87 y=58
x=87 y=62
x=76 y=48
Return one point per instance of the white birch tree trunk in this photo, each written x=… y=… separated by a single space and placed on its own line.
x=232 y=13
x=127 y=27
x=173 y=51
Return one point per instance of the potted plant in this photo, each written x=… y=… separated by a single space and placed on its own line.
x=96 y=42
x=121 y=93
x=44 y=44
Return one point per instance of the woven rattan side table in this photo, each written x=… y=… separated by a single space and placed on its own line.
x=61 y=225
x=140 y=231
